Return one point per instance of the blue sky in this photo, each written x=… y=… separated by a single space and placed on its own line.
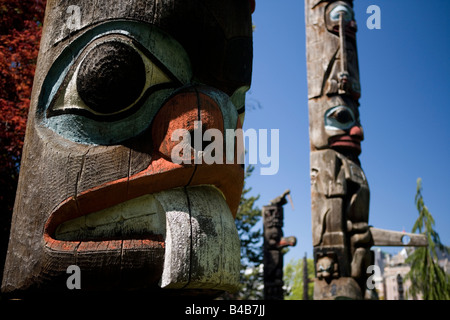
x=405 y=110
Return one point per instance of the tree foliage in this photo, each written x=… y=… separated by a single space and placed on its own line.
x=20 y=33
x=426 y=276
x=246 y=219
x=251 y=237
x=293 y=278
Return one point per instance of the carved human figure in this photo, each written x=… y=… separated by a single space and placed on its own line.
x=339 y=189
x=327 y=268
x=98 y=186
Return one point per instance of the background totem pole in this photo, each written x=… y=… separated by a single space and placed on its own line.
x=340 y=193
x=98 y=186
x=274 y=242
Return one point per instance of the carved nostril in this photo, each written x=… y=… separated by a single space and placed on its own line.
x=180 y=116
x=178 y=113
x=357 y=131
x=198 y=134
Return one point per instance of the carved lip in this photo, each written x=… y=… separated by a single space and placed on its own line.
x=161 y=175
x=347 y=142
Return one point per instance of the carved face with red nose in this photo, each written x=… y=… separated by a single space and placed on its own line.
x=342 y=125
x=335 y=124
x=99 y=187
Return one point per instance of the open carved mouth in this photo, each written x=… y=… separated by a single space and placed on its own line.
x=141 y=218
x=133 y=208
x=184 y=237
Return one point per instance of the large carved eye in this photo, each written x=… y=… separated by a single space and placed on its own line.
x=111 y=77
x=345 y=10
x=107 y=85
x=109 y=81
x=339 y=118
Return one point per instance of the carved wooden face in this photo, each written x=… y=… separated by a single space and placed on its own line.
x=333 y=104
x=327 y=268
x=98 y=185
x=273 y=217
x=336 y=125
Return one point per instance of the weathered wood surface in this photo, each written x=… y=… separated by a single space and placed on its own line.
x=339 y=189
x=211 y=260
x=397 y=239
x=76 y=162
x=340 y=192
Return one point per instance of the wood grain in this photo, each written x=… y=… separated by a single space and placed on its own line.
x=78 y=177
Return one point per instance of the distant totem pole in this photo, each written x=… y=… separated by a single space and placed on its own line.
x=100 y=191
x=274 y=242
x=340 y=193
x=400 y=289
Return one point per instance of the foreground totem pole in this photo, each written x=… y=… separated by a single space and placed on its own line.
x=274 y=242
x=340 y=193
x=99 y=188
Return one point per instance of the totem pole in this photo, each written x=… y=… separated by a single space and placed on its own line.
x=400 y=287
x=274 y=242
x=306 y=279
x=101 y=190
x=340 y=193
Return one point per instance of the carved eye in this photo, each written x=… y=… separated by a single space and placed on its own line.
x=342 y=8
x=107 y=84
x=339 y=118
x=109 y=81
x=342 y=116
x=111 y=77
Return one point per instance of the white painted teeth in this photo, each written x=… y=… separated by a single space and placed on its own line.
x=140 y=216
